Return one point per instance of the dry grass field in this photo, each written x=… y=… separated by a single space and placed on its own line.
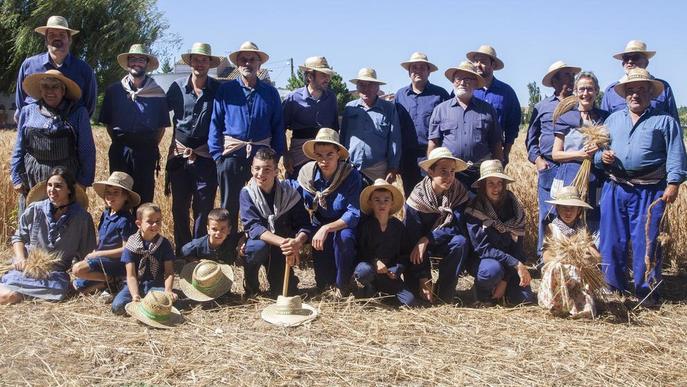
x=354 y=342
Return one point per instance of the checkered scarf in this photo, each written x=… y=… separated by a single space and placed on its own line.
x=306 y=178
x=480 y=207
x=148 y=258
x=424 y=199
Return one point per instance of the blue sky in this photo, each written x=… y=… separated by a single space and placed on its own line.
x=528 y=35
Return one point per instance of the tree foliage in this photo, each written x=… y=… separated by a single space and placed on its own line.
x=535 y=97
x=337 y=85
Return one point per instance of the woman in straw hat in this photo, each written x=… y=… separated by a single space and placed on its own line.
x=435 y=226
x=330 y=188
x=52 y=232
x=52 y=131
x=495 y=221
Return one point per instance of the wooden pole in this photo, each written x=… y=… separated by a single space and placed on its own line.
x=287 y=271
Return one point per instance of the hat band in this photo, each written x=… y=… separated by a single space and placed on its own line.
x=152 y=315
x=204 y=288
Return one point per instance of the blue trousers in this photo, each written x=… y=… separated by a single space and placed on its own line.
x=124 y=296
x=233 y=171
x=367 y=275
x=624 y=212
x=544 y=193
x=139 y=163
x=108 y=266
x=259 y=253
x=334 y=265
x=193 y=185
x=490 y=272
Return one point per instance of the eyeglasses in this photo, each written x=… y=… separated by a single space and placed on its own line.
x=465 y=80
x=587 y=89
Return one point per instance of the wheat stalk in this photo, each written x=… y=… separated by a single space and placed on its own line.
x=577 y=251
x=39 y=263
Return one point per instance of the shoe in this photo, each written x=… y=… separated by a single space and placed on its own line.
x=105 y=297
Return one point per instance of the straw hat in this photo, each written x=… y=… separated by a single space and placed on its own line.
x=317 y=63
x=58 y=23
x=32 y=84
x=419 y=57
x=40 y=192
x=635 y=46
x=367 y=74
x=137 y=49
x=204 y=49
x=289 y=312
x=569 y=196
x=554 y=68
x=121 y=180
x=205 y=280
x=324 y=135
x=248 y=46
x=155 y=310
x=492 y=168
x=442 y=153
x=489 y=51
x=638 y=75
x=467 y=68
x=396 y=196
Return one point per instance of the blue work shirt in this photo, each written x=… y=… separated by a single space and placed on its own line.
x=421 y=224
x=568 y=126
x=489 y=243
x=115 y=229
x=414 y=111
x=371 y=134
x=665 y=102
x=247 y=116
x=540 y=134
x=200 y=248
x=73 y=68
x=164 y=253
x=191 y=113
x=305 y=115
x=505 y=102
x=472 y=134
x=655 y=140
x=287 y=225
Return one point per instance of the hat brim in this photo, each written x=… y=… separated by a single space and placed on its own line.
x=546 y=81
x=133 y=309
x=648 y=54
x=498 y=63
x=366 y=79
x=306 y=313
x=186 y=283
x=39 y=192
x=327 y=71
x=427 y=164
x=309 y=148
x=214 y=60
x=263 y=56
x=44 y=29
x=152 y=64
x=657 y=88
x=99 y=188
x=451 y=71
x=503 y=176
x=397 y=199
x=32 y=85
x=570 y=202
x=432 y=67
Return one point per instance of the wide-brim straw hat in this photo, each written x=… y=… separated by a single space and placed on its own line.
x=397 y=199
x=367 y=74
x=289 y=312
x=419 y=57
x=203 y=49
x=155 y=310
x=492 y=168
x=466 y=68
x=249 y=46
x=638 y=75
x=205 y=280
x=556 y=67
x=32 y=84
x=138 y=49
x=39 y=192
x=441 y=153
x=635 y=46
x=489 y=51
x=317 y=63
x=327 y=136
x=569 y=196
x=57 y=23
x=121 y=180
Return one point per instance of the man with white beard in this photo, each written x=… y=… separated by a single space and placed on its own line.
x=465 y=125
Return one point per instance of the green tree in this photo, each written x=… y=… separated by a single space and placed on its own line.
x=166 y=66
x=535 y=97
x=337 y=85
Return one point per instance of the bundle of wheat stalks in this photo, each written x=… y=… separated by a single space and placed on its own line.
x=597 y=135
x=38 y=264
x=579 y=251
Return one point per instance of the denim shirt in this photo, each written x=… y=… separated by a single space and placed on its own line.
x=414 y=111
x=505 y=102
x=305 y=115
x=540 y=132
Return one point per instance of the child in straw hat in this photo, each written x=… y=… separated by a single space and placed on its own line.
x=380 y=238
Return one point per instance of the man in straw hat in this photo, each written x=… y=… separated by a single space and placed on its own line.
x=646 y=164
x=465 y=125
x=308 y=109
x=247 y=115
x=499 y=94
x=58 y=39
x=190 y=169
x=540 y=136
x=136 y=114
x=369 y=130
x=414 y=105
x=636 y=55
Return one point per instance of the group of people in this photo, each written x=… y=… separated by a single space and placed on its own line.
x=339 y=193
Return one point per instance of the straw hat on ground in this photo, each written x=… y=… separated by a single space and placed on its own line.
x=155 y=310
x=397 y=199
x=248 y=46
x=324 y=135
x=639 y=75
x=442 y=153
x=32 y=84
x=205 y=280
x=317 y=63
x=468 y=68
x=554 y=68
x=204 y=49
x=489 y=51
x=635 y=47
x=39 y=192
x=367 y=74
x=121 y=180
x=569 y=196
x=419 y=57
x=138 y=49
x=492 y=168
x=289 y=312
x=57 y=23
